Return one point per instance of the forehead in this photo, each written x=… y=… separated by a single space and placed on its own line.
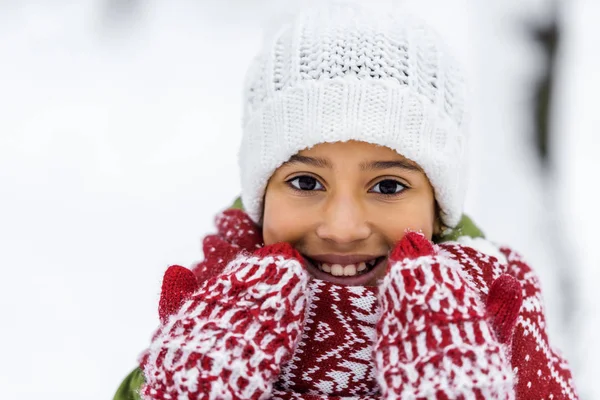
x=352 y=149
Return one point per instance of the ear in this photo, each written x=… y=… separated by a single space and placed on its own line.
x=438 y=225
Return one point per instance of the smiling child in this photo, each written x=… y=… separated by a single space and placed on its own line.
x=348 y=270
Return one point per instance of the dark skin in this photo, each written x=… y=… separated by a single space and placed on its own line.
x=348 y=198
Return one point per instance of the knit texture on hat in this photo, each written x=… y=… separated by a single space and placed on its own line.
x=341 y=72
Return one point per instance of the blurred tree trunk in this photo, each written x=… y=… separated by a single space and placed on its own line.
x=548 y=38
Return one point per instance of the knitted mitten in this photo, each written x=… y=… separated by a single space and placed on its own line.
x=228 y=338
x=542 y=371
x=434 y=337
x=235 y=233
x=503 y=305
x=179 y=283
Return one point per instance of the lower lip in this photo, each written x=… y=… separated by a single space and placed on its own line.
x=356 y=280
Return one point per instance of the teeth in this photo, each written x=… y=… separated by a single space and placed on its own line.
x=347 y=270
x=337 y=270
x=350 y=270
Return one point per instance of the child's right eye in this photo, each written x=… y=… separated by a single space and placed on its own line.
x=305 y=183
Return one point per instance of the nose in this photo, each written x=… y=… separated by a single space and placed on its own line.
x=344 y=221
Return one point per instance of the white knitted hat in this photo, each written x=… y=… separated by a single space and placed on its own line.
x=342 y=72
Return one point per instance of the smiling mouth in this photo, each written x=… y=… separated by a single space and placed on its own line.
x=341 y=270
x=348 y=270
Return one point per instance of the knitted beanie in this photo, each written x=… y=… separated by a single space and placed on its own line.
x=343 y=72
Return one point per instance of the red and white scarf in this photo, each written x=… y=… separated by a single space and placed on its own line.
x=446 y=322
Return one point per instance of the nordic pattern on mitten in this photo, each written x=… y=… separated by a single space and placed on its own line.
x=543 y=372
x=231 y=337
x=481 y=269
x=236 y=232
x=540 y=371
x=488 y=276
x=433 y=337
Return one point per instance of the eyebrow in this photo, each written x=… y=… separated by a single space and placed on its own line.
x=377 y=165
x=364 y=166
x=314 y=161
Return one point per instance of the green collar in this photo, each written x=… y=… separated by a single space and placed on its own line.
x=465 y=227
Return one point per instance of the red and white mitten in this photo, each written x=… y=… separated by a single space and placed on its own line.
x=236 y=232
x=503 y=304
x=434 y=337
x=229 y=338
x=179 y=283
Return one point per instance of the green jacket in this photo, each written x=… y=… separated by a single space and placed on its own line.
x=129 y=388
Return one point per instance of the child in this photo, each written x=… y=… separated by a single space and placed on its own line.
x=350 y=271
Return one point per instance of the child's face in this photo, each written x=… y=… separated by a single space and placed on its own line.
x=344 y=205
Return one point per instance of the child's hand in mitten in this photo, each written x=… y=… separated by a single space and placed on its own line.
x=503 y=304
x=229 y=337
x=434 y=338
x=179 y=283
x=236 y=233
x=501 y=292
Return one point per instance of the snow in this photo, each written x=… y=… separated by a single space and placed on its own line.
x=118 y=144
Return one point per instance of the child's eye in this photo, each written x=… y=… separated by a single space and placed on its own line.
x=305 y=182
x=388 y=187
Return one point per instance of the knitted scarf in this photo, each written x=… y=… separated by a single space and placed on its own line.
x=334 y=357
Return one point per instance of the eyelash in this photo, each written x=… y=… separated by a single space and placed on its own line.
x=290 y=184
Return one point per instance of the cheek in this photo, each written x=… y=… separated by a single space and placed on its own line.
x=418 y=216
x=394 y=223
x=282 y=221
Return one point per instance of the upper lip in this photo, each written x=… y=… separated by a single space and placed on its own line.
x=343 y=259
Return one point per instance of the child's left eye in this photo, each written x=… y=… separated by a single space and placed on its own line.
x=388 y=187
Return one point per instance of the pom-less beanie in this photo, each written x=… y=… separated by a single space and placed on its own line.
x=344 y=72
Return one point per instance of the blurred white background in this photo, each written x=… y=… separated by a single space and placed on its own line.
x=119 y=127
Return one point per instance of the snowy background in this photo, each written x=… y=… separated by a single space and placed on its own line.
x=119 y=125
